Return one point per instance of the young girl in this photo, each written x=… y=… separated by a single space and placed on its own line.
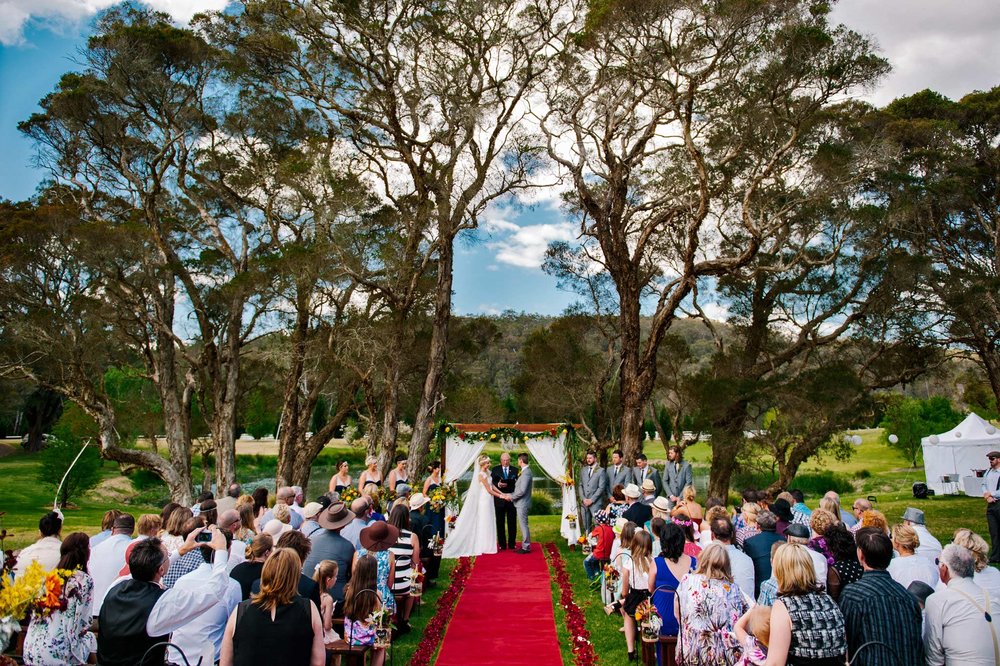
x=753 y=631
x=325 y=576
x=635 y=586
x=359 y=602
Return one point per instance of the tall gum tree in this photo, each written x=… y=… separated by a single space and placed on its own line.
x=686 y=130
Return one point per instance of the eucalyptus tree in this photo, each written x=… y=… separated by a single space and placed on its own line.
x=430 y=96
x=687 y=131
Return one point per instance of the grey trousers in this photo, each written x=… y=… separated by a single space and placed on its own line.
x=522 y=522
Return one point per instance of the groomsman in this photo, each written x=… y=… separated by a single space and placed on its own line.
x=593 y=485
x=644 y=471
x=618 y=472
x=678 y=474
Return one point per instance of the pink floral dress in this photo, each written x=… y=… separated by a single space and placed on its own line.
x=709 y=611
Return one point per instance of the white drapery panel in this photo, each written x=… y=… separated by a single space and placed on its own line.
x=459 y=457
x=551 y=456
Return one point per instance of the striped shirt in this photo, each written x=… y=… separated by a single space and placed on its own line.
x=877 y=608
x=403 y=550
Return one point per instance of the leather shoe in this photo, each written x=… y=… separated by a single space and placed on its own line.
x=523 y=551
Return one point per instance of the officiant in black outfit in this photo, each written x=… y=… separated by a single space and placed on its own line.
x=504 y=476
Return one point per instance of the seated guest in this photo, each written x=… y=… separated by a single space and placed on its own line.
x=878 y=609
x=711 y=514
x=986 y=577
x=174 y=527
x=246 y=573
x=845 y=568
x=909 y=566
x=406 y=551
x=208 y=627
x=309 y=524
x=329 y=544
x=284 y=497
x=690 y=529
x=806 y=624
x=799 y=534
x=47 y=550
x=873 y=518
x=635 y=586
x=740 y=562
x=689 y=507
x=710 y=604
x=147 y=526
x=376 y=540
x=747 y=519
x=832 y=504
x=359 y=603
x=648 y=489
x=203 y=497
x=769 y=588
x=63 y=636
x=307 y=587
x=858 y=509
x=229 y=522
x=361 y=510
x=187 y=562
x=107 y=523
x=165 y=513
x=276 y=621
x=635 y=511
x=138 y=613
x=783 y=510
x=259 y=496
x=961 y=626
x=603 y=538
x=665 y=577
x=209 y=514
x=423 y=526
x=753 y=631
x=800 y=511
x=228 y=501
x=616 y=503
x=759 y=548
x=929 y=546
x=108 y=557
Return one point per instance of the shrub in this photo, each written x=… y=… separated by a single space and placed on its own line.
x=541 y=504
x=57 y=457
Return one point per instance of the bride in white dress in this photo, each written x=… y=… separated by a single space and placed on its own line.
x=475 y=530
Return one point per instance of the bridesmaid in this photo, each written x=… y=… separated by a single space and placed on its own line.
x=398 y=474
x=370 y=474
x=430 y=484
x=341 y=481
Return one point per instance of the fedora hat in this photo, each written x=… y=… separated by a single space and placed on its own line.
x=418 y=500
x=335 y=516
x=379 y=536
x=648 y=486
x=662 y=504
x=632 y=491
x=914 y=515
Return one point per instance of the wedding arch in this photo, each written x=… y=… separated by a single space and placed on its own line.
x=554 y=446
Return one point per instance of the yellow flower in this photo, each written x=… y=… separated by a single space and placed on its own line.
x=638 y=616
x=493 y=436
x=447 y=429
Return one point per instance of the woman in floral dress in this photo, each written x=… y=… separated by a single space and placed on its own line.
x=376 y=540
x=708 y=604
x=63 y=636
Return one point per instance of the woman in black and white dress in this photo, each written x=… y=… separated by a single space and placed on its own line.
x=407 y=553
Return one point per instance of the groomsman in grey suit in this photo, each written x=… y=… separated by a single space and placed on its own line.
x=618 y=472
x=644 y=471
x=678 y=474
x=522 y=501
x=593 y=485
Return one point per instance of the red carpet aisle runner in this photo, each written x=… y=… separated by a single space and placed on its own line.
x=504 y=616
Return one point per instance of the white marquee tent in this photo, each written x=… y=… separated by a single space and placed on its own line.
x=957 y=453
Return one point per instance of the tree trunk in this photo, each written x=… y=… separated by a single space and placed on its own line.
x=226 y=394
x=44 y=406
x=423 y=428
x=390 y=416
x=727 y=438
x=636 y=382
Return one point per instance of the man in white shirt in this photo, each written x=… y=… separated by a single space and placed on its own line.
x=45 y=551
x=799 y=534
x=285 y=495
x=961 y=621
x=362 y=510
x=108 y=557
x=203 y=634
x=991 y=493
x=740 y=563
x=229 y=522
x=297 y=499
x=929 y=546
x=228 y=501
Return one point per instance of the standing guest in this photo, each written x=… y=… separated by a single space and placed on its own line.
x=275 y=625
x=708 y=605
x=691 y=546
x=991 y=493
x=618 y=472
x=986 y=577
x=665 y=576
x=370 y=474
x=406 y=552
x=361 y=517
x=107 y=559
x=635 y=511
x=247 y=572
x=648 y=489
x=858 y=509
x=807 y=627
x=107 y=523
x=677 y=475
x=740 y=563
x=960 y=624
x=603 y=537
x=147 y=526
x=929 y=546
x=593 y=485
x=341 y=481
x=138 y=613
x=208 y=628
x=846 y=568
x=47 y=550
x=878 y=609
x=635 y=586
x=504 y=478
x=435 y=517
x=359 y=604
x=376 y=539
x=228 y=501
x=759 y=548
x=329 y=544
x=688 y=506
x=909 y=566
x=245 y=532
x=801 y=512
x=783 y=510
x=307 y=587
x=174 y=527
x=229 y=522
x=749 y=528
x=398 y=475
x=325 y=575
x=833 y=506
x=284 y=497
x=643 y=470
x=63 y=636
x=189 y=561
x=309 y=524
x=259 y=507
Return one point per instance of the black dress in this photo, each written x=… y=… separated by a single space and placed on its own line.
x=246 y=573
x=285 y=641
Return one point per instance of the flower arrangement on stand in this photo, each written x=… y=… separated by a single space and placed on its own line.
x=434 y=630
x=649 y=621
x=571 y=519
x=449 y=522
x=381 y=620
x=437 y=545
x=416 y=581
x=576 y=624
x=17 y=597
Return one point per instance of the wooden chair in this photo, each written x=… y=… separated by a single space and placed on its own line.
x=667 y=644
x=349 y=654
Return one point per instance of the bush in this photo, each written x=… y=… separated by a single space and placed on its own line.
x=812 y=484
x=143 y=479
x=541 y=504
x=57 y=457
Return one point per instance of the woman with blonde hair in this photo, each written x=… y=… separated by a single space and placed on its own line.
x=986 y=577
x=475 y=530
x=370 y=474
x=275 y=621
x=707 y=605
x=807 y=626
x=908 y=566
x=833 y=506
x=635 y=585
x=245 y=532
x=749 y=527
x=689 y=507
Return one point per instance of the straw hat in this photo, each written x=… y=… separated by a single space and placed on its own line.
x=662 y=504
x=648 y=486
x=631 y=491
x=276 y=528
x=418 y=500
x=310 y=510
x=379 y=536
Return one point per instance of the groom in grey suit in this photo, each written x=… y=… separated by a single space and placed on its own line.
x=522 y=501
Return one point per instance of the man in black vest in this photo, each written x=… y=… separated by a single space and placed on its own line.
x=138 y=613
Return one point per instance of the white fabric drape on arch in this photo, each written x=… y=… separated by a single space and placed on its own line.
x=551 y=456
x=459 y=457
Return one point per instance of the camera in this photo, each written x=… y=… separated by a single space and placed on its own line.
x=203 y=537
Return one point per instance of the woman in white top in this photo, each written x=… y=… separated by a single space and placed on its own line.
x=635 y=585
x=908 y=566
x=370 y=474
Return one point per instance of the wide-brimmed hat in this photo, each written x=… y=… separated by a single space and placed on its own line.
x=661 y=503
x=782 y=509
x=632 y=491
x=914 y=515
x=417 y=500
x=648 y=486
x=276 y=528
x=379 y=536
x=335 y=516
x=310 y=510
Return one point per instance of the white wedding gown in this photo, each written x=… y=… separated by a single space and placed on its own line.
x=475 y=530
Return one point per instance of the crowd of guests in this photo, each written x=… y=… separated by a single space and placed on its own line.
x=776 y=582
x=235 y=579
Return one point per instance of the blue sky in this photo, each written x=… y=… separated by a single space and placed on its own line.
x=950 y=47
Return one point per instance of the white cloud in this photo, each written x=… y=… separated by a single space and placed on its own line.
x=489 y=309
x=526 y=246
